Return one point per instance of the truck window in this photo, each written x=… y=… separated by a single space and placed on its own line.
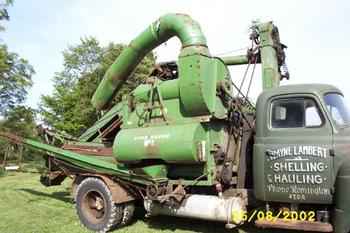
x=337 y=109
x=295 y=113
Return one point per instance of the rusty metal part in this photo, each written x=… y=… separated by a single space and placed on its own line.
x=119 y=193
x=94 y=206
x=54 y=136
x=173 y=197
x=152 y=191
x=111 y=128
x=165 y=70
x=89 y=150
x=166 y=194
x=12 y=137
x=244 y=173
x=53 y=178
x=295 y=225
x=179 y=193
x=232 y=143
x=242 y=193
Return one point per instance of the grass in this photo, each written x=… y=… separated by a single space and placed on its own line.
x=28 y=207
x=2 y=172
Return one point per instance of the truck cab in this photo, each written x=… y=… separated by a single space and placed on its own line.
x=301 y=150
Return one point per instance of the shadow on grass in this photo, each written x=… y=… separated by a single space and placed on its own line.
x=160 y=223
x=186 y=224
x=61 y=196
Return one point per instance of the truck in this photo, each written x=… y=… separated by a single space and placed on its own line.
x=189 y=143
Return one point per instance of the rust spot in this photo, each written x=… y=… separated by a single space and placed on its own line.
x=120 y=193
x=152 y=149
x=182 y=14
x=114 y=126
x=295 y=225
x=89 y=150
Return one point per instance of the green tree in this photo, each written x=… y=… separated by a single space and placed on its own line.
x=69 y=108
x=15 y=79
x=20 y=120
x=15 y=72
x=4 y=15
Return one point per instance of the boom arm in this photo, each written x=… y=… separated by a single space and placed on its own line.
x=271 y=54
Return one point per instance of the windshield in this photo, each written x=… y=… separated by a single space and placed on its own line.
x=337 y=108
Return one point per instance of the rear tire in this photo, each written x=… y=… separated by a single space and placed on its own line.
x=95 y=206
x=128 y=213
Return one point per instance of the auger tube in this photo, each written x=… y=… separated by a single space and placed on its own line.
x=179 y=25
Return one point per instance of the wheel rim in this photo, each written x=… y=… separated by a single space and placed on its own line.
x=94 y=206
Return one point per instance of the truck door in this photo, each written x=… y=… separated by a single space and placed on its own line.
x=292 y=159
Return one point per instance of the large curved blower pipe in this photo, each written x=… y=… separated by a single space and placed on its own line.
x=180 y=25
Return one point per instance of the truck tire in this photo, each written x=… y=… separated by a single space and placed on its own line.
x=128 y=213
x=95 y=206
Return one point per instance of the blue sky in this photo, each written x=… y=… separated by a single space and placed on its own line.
x=316 y=32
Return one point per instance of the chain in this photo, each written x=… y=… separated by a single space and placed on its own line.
x=251 y=78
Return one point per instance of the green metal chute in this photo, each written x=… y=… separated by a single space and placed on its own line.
x=85 y=162
x=180 y=25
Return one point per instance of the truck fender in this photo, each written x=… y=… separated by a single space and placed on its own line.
x=119 y=193
x=342 y=199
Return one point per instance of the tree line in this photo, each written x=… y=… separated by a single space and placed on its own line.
x=68 y=108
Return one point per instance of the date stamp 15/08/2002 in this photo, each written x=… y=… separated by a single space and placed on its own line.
x=238 y=216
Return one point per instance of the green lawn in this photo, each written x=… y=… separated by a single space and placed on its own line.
x=28 y=207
